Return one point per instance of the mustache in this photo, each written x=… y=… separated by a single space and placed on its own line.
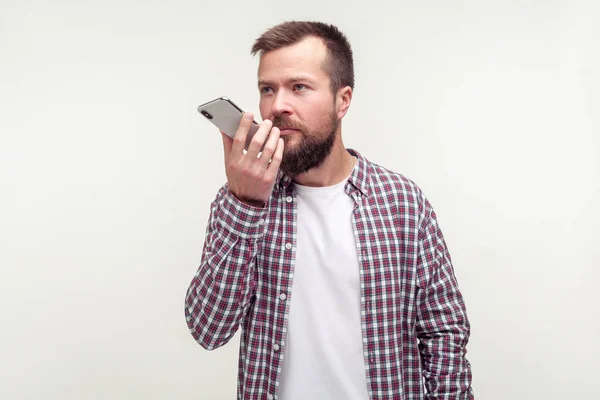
x=280 y=121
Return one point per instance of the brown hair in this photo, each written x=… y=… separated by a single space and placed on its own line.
x=339 y=64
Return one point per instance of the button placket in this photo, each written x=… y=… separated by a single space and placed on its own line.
x=282 y=297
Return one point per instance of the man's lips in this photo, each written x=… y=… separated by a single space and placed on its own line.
x=286 y=131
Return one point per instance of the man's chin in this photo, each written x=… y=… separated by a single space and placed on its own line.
x=290 y=142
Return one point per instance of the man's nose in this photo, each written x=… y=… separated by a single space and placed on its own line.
x=281 y=104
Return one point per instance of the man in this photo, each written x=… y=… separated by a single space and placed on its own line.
x=334 y=267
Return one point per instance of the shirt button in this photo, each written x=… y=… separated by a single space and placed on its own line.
x=261 y=221
x=269 y=397
x=276 y=347
x=289 y=199
x=288 y=246
x=282 y=296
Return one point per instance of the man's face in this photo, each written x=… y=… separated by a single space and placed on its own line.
x=295 y=94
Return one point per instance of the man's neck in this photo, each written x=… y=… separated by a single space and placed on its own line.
x=336 y=167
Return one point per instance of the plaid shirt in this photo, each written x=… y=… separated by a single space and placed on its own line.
x=414 y=323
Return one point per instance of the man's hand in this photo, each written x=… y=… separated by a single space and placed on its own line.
x=251 y=178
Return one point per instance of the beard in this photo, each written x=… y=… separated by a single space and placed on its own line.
x=312 y=148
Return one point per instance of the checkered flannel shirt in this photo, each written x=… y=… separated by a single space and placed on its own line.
x=413 y=318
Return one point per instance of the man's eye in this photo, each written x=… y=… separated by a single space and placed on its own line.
x=266 y=90
x=299 y=87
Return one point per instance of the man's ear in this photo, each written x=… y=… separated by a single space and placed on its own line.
x=343 y=100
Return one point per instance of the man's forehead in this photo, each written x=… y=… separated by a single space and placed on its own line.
x=307 y=54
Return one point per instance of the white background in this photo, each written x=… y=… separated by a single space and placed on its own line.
x=107 y=172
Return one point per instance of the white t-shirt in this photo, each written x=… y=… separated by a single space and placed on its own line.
x=323 y=352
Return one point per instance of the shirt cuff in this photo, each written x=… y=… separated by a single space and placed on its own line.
x=240 y=218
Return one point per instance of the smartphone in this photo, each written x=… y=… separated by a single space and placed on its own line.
x=226 y=115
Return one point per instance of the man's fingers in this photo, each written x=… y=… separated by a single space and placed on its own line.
x=239 y=140
x=270 y=146
x=276 y=158
x=259 y=138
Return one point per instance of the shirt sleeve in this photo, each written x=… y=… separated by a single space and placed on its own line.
x=222 y=289
x=442 y=326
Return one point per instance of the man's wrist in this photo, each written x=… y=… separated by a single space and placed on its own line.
x=250 y=202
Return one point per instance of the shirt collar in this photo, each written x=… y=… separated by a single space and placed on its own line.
x=359 y=178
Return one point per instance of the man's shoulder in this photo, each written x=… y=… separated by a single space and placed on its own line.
x=385 y=176
x=396 y=191
x=386 y=181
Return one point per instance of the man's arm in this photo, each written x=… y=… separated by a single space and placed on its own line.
x=442 y=325
x=221 y=292
x=222 y=289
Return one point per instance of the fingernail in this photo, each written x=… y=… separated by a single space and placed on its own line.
x=248 y=116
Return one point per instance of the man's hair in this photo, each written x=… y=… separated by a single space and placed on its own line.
x=339 y=64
